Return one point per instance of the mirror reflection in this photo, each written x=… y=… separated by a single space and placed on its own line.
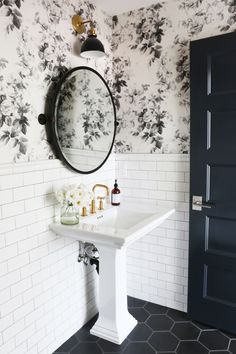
x=85 y=119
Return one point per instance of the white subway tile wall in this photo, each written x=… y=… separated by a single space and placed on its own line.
x=158 y=263
x=45 y=294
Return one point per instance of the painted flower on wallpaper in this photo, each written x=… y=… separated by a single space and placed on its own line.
x=52 y=52
x=120 y=77
x=231 y=5
x=147 y=116
x=15 y=108
x=200 y=13
x=182 y=135
x=190 y=4
x=14 y=126
x=164 y=75
x=11 y=10
x=182 y=64
x=148 y=31
x=56 y=10
x=122 y=146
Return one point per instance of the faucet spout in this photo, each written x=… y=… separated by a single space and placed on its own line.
x=93 y=208
x=101 y=186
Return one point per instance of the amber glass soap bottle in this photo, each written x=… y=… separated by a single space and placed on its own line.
x=115 y=194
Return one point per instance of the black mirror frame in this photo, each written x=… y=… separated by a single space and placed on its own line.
x=55 y=142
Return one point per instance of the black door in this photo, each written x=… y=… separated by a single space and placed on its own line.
x=212 y=246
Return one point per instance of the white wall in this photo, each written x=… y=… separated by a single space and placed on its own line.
x=158 y=263
x=45 y=295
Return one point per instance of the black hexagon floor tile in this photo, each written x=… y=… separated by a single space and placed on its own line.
x=139 y=313
x=108 y=347
x=140 y=333
x=163 y=341
x=177 y=316
x=214 y=340
x=68 y=345
x=86 y=348
x=191 y=347
x=157 y=333
x=185 y=331
x=159 y=322
x=83 y=335
x=139 y=348
x=232 y=346
x=201 y=325
x=155 y=309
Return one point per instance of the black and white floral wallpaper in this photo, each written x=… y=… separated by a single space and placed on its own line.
x=36 y=48
x=147 y=68
x=151 y=70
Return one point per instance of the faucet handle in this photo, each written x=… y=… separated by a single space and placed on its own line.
x=93 y=207
x=101 y=206
x=84 y=211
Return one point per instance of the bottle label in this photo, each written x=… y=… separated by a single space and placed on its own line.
x=115 y=198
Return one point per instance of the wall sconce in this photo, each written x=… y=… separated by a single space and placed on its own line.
x=91 y=47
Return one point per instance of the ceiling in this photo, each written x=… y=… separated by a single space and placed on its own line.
x=116 y=7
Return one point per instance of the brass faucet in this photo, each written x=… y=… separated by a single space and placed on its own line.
x=93 y=210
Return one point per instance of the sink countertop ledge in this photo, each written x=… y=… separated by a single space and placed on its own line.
x=116 y=226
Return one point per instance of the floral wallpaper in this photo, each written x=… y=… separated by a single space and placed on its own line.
x=37 y=47
x=147 y=68
x=151 y=70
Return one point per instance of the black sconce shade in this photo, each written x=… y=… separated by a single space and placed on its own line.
x=92 y=48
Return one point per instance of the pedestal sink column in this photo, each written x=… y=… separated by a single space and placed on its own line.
x=114 y=322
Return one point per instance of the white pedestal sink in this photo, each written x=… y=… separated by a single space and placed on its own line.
x=111 y=231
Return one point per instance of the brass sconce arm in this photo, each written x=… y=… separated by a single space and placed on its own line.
x=78 y=25
x=91 y=47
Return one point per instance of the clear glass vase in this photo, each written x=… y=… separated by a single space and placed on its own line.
x=69 y=215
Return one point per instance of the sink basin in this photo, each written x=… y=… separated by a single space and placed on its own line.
x=112 y=230
x=117 y=217
x=118 y=226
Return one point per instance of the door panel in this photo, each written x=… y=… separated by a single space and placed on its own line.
x=224 y=177
x=216 y=280
x=221 y=79
x=212 y=244
x=219 y=141
x=217 y=240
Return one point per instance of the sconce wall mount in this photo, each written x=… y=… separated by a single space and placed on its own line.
x=91 y=47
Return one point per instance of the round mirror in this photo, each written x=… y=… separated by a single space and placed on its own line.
x=84 y=120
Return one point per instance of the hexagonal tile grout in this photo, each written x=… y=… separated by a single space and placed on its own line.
x=190 y=329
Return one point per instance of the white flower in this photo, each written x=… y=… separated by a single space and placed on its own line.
x=60 y=196
x=70 y=196
x=77 y=196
